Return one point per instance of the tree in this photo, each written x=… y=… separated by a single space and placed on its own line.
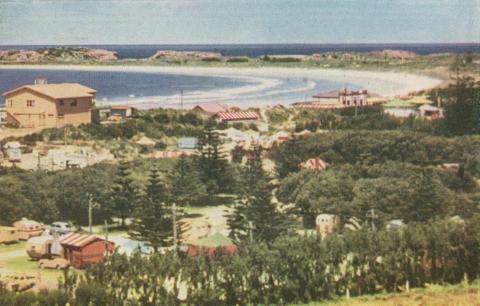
x=124 y=196
x=462 y=111
x=153 y=220
x=429 y=199
x=211 y=162
x=288 y=157
x=256 y=214
x=186 y=187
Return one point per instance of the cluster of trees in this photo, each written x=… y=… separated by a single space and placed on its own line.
x=154 y=124
x=290 y=269
x=372 y=147
x=392 y=190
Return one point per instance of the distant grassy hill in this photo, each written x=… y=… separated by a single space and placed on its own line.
x=438 y=65
x=435 y=295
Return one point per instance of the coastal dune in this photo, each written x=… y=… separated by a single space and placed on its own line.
x=266 y=85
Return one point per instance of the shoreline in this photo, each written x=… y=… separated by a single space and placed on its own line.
x=387 y=84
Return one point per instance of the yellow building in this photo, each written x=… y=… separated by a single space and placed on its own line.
x=49 y=105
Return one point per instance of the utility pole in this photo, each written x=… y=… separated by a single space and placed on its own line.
x=174 y=221
x=106 y=237
x=250 y=232
x=373 y=217
x=38 y=161
x=181 y=99
x=90 y=204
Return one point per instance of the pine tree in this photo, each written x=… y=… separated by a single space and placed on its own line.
x=123 y=193
x=253 y=172
x=256 y=215
x=461 y=111
x=153 y=221
x=430 y=198
x=187 y=189
x=212 y=162
x=287 y=158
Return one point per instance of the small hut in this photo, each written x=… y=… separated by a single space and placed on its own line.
x=9 y=234
x=82 y=250
x=28 y=228
x=210 y=245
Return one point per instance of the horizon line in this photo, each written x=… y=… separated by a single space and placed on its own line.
x=242 y=44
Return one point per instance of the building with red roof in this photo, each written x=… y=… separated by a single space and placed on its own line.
x=81 y=250
x=237 y=116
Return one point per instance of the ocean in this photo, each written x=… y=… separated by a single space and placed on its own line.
x=255 y=50
x=152 y=90
x=156 y=89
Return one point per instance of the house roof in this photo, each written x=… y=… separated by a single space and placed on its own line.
x=314 y=164
x=77 y=240
x=120 y=107
x=211 y=107
x=215 y=240
x=58 y=91
x=232 y=116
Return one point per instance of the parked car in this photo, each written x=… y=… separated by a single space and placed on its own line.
x=61 y=228
x=19 y=282
x=54 y=263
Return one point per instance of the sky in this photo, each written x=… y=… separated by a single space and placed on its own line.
x=238 y=21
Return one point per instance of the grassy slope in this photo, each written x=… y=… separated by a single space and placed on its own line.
x=435 y=295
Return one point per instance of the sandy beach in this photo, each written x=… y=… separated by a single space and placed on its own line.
x=264 y=82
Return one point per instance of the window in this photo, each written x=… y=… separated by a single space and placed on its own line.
x=61 y=103
x=30 y=103
x=10 y=103
x=74 y=103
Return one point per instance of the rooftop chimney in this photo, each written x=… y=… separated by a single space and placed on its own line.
x=41 y=81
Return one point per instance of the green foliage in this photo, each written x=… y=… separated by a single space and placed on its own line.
x=186 y=187
x=211 y=161
x=123 y=194
x=373 y=147
x=394 y=190
x=287 y=157
x=154 y=124
x=462 y=111
x=289 y=270
x=256 y=215
x=153 y=222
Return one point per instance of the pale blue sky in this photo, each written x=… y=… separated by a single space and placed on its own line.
x=237 y=21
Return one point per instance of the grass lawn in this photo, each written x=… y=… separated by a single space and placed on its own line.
x=434 y=295
x=12 y=247
x=25 y=265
